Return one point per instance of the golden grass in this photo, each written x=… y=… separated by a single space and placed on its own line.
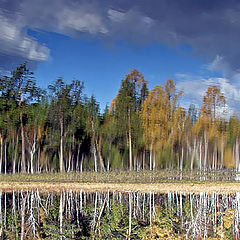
x=91 y=187
x=156 y=181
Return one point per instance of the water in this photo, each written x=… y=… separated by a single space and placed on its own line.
x=118 y=215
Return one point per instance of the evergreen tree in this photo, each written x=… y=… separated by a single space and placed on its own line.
x=132 y=92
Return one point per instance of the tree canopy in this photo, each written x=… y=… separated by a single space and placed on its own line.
x=61 y=129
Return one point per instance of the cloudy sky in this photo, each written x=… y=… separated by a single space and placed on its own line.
x=194 y=42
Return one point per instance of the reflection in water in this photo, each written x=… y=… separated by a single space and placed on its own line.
x=117 y=215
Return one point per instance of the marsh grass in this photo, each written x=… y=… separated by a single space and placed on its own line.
x=163 y=181
x=161 y=176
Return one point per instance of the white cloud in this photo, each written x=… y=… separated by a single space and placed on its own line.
x=72 y=18
x=116 y=16
x=194 y=88
x=219 y=64
x=210 y=28
x=81 y=21
x=14 y=40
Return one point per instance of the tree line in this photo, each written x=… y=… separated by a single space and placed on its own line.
x=61 y=129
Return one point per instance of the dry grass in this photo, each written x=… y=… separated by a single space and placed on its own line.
x=91 y=187
x=157 y=181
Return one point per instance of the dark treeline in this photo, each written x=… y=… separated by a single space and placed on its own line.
x=60 y=129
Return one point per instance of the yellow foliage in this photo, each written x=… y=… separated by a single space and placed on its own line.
x=158 y=116
x=113 y=104
x=158 y=232
x=228 y=158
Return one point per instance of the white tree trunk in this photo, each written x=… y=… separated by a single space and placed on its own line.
x=32 y=151
x=130 y=150
x=81 y=165
x=222 y=152
x=1 y=155
x=5 y=157
x=95 y=157
x=154 y=160
x=181 y=160
x=61 y=147
x=205 y=150
x=23 y=216
x=130 y=216
x=143 y=164
x=15 y=155
x=237 y=155
x=193 y=153
x=61 y=215
x=200 y=155
x=150 y=157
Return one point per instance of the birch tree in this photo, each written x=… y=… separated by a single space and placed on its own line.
x=157 y=118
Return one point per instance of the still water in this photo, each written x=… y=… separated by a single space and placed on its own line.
x=118 y=215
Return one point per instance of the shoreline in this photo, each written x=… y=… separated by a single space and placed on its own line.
x=217 y=187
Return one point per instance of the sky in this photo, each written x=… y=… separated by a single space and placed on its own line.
x=193 y=42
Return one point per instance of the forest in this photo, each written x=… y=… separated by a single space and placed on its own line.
x=60 y=129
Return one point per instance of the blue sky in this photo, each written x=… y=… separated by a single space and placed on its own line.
x=102 y=66
x=193 y=42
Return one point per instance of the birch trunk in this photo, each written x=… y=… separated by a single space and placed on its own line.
x=95 y=157
x=23 y=160
x=69 y=161
x=222 y=152
x=23 y=217
x=237 y=155
x=130 y=150
x=108 y=157
x=130 y=140
x=143 y=164
x=130 y=216
x=215 y=155
x=32 y=150
x=38 y=160
x=150 y=157
x=81 y=165
x=61 y=146
x=61 y=215
x=154 y=160
x=200 y=155
x=135 y=166
x=15 y=155
x=5 y=157
x=100 y=156
x=1 y=155
x=193 y=153
x=205 y=150
x=181 y=160
x=78 y=154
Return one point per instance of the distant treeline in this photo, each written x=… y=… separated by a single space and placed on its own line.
x=60 y=129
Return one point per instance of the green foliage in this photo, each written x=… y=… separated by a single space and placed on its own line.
x=115 y=157
x=62 y=124
x=164 y=157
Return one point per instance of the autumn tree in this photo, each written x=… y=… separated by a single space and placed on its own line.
x=233 y=134
x=157 y=118
x=211 y=112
